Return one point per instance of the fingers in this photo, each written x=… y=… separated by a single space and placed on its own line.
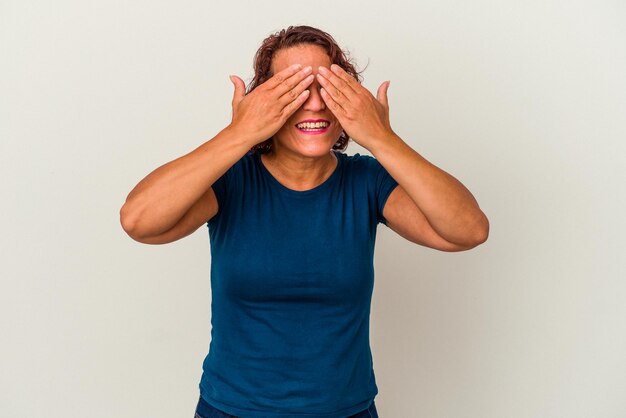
x=292 y=86
x=332 y=104
x=347 y=78
x=338 y=89
x=288 y=84
x=381 y=94
x=240 y=89
x=295 y=105
x=283 y=75
x=338 y=85
x=294 y=92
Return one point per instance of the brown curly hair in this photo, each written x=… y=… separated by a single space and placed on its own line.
x=286 y=38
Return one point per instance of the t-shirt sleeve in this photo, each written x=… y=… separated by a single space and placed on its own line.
x=225 y=188
x=385 y=184
x=220 y=187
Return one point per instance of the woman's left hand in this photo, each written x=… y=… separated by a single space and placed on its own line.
x=365 y=118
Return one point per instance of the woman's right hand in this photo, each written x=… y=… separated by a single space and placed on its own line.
x=262 y=112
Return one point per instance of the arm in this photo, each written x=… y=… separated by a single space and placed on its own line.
x=176 y=198
x=439 y=210
x=447 y=205
x=164 y=197
x=405 y=218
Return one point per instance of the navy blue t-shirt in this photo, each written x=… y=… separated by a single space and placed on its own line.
x=292 y=275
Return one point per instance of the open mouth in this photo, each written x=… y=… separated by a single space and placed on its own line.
x=313 y=127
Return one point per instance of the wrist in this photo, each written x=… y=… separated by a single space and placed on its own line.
x=241 y=136
x=378 y=140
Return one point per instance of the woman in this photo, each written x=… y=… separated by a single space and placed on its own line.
x=292 y=224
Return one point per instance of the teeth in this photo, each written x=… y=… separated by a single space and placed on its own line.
x=309 y=125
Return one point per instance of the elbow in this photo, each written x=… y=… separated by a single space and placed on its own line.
x=475 y=235
x=128 y=221
x=481 y=231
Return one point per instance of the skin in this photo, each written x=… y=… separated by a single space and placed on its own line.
x=429 y=207
x=176 y=198
x=301 y=161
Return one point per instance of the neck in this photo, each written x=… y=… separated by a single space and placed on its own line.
x=299 y=172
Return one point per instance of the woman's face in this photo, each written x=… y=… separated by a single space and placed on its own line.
x=290 y=138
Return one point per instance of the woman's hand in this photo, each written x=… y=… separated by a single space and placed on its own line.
x=365 y=118
x=261 y=113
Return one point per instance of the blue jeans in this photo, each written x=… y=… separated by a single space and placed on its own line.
x=204 y=410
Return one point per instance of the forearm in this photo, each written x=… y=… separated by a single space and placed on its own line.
x=163 y=197
x=448 y=205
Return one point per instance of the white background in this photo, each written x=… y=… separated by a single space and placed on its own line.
x=523 y=102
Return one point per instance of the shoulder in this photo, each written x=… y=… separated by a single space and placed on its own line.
x=248 y=159
x=359 y=162
x=245 y=164
x=233 y=178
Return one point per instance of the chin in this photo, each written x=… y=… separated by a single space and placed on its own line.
x=317 y=147
x=311 y=145
x=312 y=151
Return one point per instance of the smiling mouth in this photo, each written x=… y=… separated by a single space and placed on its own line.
x=313 y=127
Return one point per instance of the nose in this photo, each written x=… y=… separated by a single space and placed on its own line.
x=314 y=102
